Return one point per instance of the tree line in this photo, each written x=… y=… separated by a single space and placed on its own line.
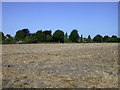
x=25 y=37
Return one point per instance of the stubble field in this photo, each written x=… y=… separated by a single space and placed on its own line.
x=84 y=65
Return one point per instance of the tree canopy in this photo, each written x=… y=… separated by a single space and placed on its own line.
x=58 y=36
x=97 y=38
x=74 y=36
x=89 y=39
x=2 y=37
x=106 y=38
x=40 y=36
x=24 y=36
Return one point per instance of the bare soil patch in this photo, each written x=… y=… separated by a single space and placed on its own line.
x=60 y=65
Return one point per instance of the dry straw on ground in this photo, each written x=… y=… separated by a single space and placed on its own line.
x=60 y=65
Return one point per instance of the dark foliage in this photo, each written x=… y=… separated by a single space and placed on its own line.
x=89 y=40
x=24 y=37
x=113 y=39
x=106 y=38
x=2 y=37
x=58 y=36
x=74 y=36
x=40 y=36
x=22 y=34
x=97 y=38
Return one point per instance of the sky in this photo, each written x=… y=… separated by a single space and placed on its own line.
x=60 y=0
x=89 y=18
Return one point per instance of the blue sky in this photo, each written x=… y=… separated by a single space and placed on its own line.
x=89 y=18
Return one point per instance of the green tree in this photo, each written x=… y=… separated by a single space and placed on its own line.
x=2 y=37
x=31 y=38
x=66 y=37
x=48 y=35
x=58 y=36
x=113 y=39
x=49 y=38
x=74 y=36
x=97 y=38
x=19 y=35
x=47 y=32
x=106 y=38
x=8 y=36
x=119 y=40
x=81 y=39
x=9 y=39
x=22 y=34
x=40 y=36
x=89 y=39
x=26 y=32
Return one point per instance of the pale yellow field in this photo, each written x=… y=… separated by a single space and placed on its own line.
x=60 y=65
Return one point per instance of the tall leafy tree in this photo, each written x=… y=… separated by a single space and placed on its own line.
x=74 y=36
x=2 y=37
x=9 y=39
x=19 y=35
x=31 y=38
x=58 y=36
x=106 y=38
x=66 y=37
x=49 y=38
x=48 y=35
x=8 y=36
x=89 y=39
x=22 y=34
x=113 y=39
x=40 y=36
x=119 y=40
x=47 y=32
x=81 y=39
x=97 y=38
x=26 y=32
